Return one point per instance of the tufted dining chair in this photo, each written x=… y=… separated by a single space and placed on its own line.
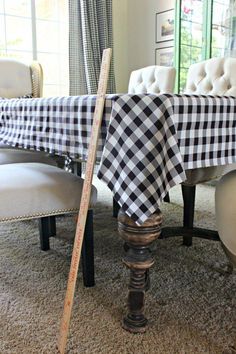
x=215 y=76
x=150 y=79
x=18 y=79
x=45 y=191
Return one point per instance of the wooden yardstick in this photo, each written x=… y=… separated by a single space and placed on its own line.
x=85 y=199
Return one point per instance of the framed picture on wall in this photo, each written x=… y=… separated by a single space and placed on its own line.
x=165 y=26
x=164 y=56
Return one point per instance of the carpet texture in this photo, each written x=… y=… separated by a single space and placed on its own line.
x=191 y=303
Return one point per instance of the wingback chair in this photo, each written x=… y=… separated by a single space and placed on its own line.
x=151 y=79
x=18 y=79
x=46 y=190
x=216 y=76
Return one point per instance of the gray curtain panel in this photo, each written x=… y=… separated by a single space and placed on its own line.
x=90 y=31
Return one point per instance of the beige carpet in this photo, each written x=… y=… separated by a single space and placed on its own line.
x=191 y=304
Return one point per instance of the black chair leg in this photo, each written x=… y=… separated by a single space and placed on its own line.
x=52 y=225
x=167 y=198
x=188 y=193
x=88 y=252
x=44 y=233
x=46 y=227
x=77 y=168
x=116 y=208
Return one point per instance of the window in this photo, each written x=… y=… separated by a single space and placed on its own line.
x=202 y=31
x=38 y=30
x=221 y=27
x=191 y=37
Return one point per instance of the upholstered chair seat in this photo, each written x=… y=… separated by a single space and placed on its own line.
x=9 y=156
x=37 y=190
x=47 y=190
x=225 y=203
x=202 y=175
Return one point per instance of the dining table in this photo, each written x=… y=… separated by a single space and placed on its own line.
x=146 y=144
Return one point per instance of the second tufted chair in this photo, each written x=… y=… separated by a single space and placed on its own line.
x=215 y=76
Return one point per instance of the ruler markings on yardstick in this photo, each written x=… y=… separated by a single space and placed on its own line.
x=85 y=199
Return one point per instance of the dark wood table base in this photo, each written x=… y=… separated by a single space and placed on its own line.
x=189 y=232
x=138 y=258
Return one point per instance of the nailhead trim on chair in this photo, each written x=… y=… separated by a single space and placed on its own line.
x=39 y=215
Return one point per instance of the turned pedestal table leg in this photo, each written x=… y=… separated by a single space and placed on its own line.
x=138 y=259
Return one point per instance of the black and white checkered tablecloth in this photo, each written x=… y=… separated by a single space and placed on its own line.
x=151 y=139
x=58 y=125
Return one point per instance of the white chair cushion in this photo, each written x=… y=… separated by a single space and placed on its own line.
x=15 y=78
x=215 y=76
x=225 y=203
x=10 y=155
x=33 y=190
x=152 y=79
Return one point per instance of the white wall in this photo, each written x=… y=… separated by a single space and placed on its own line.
x=120 y=35
x=120 y=26
x=134 y=35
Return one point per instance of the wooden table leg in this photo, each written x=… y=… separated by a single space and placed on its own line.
x=138 y=259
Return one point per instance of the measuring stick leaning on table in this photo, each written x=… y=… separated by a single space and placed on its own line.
x=85 y=199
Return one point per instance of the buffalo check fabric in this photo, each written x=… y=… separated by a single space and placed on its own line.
x=153 y=139
x=145 y=149
x=57 y=125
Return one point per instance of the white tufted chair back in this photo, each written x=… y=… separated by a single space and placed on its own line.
x=152 y=79
x=216 y=76
x=19 y=79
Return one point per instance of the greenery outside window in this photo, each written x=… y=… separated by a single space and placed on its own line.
x=202 y=31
